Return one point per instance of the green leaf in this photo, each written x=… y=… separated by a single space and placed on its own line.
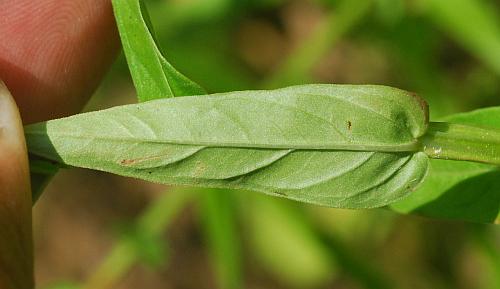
x=153 y=76
x=218 y=217
x=333 y=145
x=297 y=66
x=41 y=171
x=147 y=247
x=285 y=244
x=481 y=35
x=460 y=190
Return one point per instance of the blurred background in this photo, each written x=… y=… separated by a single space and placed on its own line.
x=94 y=230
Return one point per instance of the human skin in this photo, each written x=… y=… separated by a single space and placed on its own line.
x=53 y=54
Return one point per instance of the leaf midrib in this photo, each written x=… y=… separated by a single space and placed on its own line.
x=404 y=147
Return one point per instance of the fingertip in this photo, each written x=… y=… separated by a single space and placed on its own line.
x=14 y=168
x=16 y=253
x=54 y=53
x=11 y=129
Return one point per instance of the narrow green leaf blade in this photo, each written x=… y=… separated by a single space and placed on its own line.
x=153 y=76
x=275 y=231
x=460 y=190
x=219 y=219
x=480 y=36
x=334 y=145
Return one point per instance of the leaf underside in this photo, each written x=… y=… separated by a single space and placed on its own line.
x=332 y=145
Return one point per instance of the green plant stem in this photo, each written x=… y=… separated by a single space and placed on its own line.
x=462 y=142
x=124 y=253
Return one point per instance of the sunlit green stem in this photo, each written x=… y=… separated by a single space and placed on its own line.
x=462 y=142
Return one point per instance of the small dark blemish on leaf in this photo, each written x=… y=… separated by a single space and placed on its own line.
x=349 y=125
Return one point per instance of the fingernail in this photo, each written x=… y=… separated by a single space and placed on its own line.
x=16 y=250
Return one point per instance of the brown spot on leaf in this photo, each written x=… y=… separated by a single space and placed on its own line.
x=130 y=162
x=127 y=162
x=349 y=125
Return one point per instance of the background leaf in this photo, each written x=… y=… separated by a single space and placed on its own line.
x=297 y=68
x=219 y=219
x=481 y=36
x=285 y=245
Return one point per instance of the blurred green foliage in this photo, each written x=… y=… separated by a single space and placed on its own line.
x=447 y=51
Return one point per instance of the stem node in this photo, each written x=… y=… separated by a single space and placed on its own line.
x=462 y=142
